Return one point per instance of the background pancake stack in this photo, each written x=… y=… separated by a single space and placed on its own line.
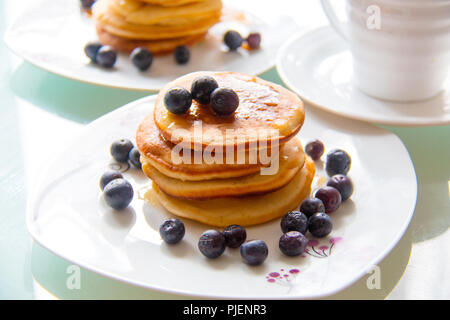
x=159 y=25
x=224 y=192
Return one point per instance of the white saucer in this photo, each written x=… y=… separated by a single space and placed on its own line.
x=317 y=65
x=68 y=216
x=53 y=34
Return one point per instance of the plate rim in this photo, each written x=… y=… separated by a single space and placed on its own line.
x=282 y=52
x=35 y=192
x=60 y=71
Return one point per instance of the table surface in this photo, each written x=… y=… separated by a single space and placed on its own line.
x=40 y=111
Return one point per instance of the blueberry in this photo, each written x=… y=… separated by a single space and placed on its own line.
x=106 y=57
x=224 y=101
x=234 y=236
x=293 y=243
x=120 y=149
x=343 y=184
x=254 y=40
x=211 y=244
x=87 y=4
x=254 y=252
x=118 y=193
x=315 y=149
x=109 y=176
x=338 y=162
x=182 y=54
x=320 y=225
x=233 y=40
x=311 y=206
x=178 y=100
x=135 y=158
x=91 y=49
x=202 y=87
x=142 y=58
x=330 y=197
x=294 y=221
x=172 y=231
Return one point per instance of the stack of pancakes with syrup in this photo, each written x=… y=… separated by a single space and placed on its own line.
x=225 y=191
x=158 y=25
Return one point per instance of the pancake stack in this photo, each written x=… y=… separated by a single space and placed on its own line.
x=159 y=25
x=227 y=191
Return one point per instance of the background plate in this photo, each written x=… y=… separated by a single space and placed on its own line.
x=52 y=36
x=317 y=65
x=67 y=215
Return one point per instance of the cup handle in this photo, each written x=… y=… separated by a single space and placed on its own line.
x=337 y=25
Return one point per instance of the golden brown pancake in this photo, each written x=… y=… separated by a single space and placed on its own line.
x=117 y=25
x=155 y=46
x=290 y=161
x=264 y=107
x=244 y=211
x=138 y=12
x=158 y=153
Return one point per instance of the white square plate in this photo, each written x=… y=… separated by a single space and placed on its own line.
x=53 y=34
x=68 y=216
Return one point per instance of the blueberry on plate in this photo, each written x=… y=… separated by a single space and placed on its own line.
x=293 y=243
x=142 y=58
x=224 y=101
x=182 y=54
x=233 y=40
x=109 y=176
x=311 y=206
x=202 y=87
x=178 y=100
x=343 y=184
x=91 y=49
x=106 y=57
x=320 y=225
x=234 y=236
x=294 y=221
x=135 y=158
x=330 y=197
x=87 y=4
x=254 y=40
x=211 y=244
x=118 y=194
x=338 y=162
x=172 y=231
x=120 y=149
x=254 y=252
x=315 y=149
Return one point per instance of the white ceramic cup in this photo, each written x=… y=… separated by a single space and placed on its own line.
x=400 y=48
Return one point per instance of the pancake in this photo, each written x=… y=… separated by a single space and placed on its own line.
x=161 y=46
x=171 y=3
x=138 y=12
x=116 y=24
x=264 y=107
x=242 y=211
x=291 y=160
x=189 y=22
x=158 y=153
